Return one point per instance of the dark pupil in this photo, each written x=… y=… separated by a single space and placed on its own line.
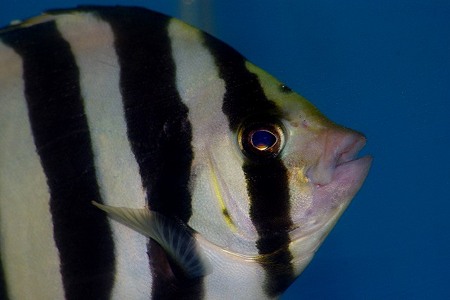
x=263 y=139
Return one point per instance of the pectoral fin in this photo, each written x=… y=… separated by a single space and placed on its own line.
x=174 y=238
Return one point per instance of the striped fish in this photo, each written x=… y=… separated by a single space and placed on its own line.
x=141 y=158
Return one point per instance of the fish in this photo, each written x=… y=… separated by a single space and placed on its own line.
x=141 y=158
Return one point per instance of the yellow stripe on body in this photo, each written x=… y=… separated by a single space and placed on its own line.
x=217 y=191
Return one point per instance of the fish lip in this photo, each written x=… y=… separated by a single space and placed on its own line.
x=349 y=173
x=346 y=152
x=351 y=151
x=359 y=165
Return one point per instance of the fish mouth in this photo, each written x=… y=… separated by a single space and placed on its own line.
x=339 y=165
x=348 y=171
x=348 y=177
x=333 y=182
x=350 y=149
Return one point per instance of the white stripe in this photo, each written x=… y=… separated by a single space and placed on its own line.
x=91 y=41
x=202 y=91
x=28 y=250
x=235 y=275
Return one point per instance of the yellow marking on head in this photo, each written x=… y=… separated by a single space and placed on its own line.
x=15 y=24
x=183 y=30
x=217 y=192
x=44 y=18
x=292 y=104
x=300 y=184
x=299 y=175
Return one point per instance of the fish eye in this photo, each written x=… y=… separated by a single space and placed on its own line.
x=261 y=140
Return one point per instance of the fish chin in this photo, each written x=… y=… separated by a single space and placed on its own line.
x=329 y=201
x=348 y=178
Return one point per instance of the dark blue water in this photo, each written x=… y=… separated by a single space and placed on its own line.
x=382 y=67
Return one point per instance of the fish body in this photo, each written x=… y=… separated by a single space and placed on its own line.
x=217 y=180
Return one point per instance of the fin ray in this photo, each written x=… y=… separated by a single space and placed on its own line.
x=174 y=238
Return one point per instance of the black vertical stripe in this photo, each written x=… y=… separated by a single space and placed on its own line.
x=3 y=288
x=267 y=181
x=61 y=135
x=269 y=196
x=158 y=129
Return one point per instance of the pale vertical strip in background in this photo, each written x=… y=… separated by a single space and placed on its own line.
x=199 y=13
x=29 y=254
x=92 y=42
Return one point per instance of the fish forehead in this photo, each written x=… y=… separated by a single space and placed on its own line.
x=172 y=148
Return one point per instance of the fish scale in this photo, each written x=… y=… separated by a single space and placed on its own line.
x=154 y=122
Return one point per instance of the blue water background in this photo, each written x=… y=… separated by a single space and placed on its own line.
x=381 y=67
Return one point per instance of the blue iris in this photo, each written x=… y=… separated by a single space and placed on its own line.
x=263 y=139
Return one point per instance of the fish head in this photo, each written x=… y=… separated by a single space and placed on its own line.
x=283 y=176
x=322 y=167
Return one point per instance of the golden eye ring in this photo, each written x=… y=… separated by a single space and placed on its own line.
x=260 y=140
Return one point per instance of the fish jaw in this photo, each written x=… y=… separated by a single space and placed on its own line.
x=331 y=180
x=338 y=173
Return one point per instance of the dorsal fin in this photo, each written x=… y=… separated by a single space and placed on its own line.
x=173 y=237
